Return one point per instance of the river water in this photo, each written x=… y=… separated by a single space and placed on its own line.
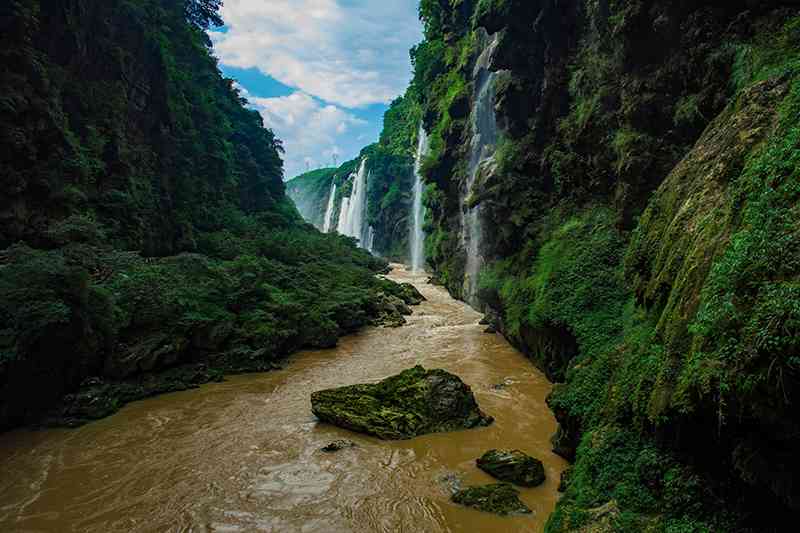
x=243 y=455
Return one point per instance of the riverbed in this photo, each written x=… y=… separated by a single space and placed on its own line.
x=244 y=455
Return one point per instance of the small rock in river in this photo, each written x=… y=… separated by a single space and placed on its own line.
x=490 y=329
x=452 y=481
x=500 y=386
x=514 y=466
x=498 y=498
x=337 y=445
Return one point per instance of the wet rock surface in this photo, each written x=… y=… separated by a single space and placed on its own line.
x=415 y=402
x=410 y=295
x=498 y=498
x=390 y=311
x=513 y=466
x=338 y=445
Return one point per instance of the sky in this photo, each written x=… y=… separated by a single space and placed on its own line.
x=320 y=72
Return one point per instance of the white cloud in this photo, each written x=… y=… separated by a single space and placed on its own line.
x=349 y=52
x=308 y=128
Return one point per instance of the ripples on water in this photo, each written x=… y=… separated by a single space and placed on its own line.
x=243 y=455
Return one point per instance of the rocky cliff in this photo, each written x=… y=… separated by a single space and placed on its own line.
x=615 y=182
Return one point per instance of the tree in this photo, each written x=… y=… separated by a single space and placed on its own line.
x=203 y=13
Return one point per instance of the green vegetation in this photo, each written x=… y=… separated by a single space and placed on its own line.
x=648 y=489
x=498 y=498
x=146 y=242
x=656 y=282
x=310 y=193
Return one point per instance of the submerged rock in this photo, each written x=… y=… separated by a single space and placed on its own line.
x=451 y=481
x=498 y=498
x=337 y=445
x=513 y=466
x=412 y=403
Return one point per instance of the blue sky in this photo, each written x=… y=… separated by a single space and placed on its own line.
x=320 y=72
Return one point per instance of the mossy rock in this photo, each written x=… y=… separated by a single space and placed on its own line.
x=415 y=402
x=498 y=498
x=513 y=466
x=410 y=295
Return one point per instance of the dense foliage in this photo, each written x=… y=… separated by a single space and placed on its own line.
x=642 y=214
x=144 y=226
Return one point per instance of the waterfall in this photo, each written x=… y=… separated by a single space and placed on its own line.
x=354 y=208
x=343 y=214
x=482 y=147
x=418 y=214
x=370 y=242
x=326 y=225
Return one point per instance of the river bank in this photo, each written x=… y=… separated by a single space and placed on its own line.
x=243 y=455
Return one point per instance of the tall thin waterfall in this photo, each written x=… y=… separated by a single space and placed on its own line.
x=369 y=243
x=326 y=224
x=344 y=210
x=353 y=209
x=482 y=148
x=418 y=214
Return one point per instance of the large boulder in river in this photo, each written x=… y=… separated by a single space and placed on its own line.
x=513 y=466
x=412 y=403
x=498 y=498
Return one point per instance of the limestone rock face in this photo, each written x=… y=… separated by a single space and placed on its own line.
x=498 y=498
x=415 y=402
x=513 y=466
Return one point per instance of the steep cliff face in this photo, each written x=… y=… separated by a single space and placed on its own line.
x=146 y=243
x=314 y=196
x=632 y=226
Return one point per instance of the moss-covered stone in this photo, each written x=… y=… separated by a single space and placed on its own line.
x=412 y=403
x=498 y=498
x=513 y=466
x=410 y=295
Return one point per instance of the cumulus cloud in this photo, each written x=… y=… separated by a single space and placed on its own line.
x=310 y=129
x=348 y=52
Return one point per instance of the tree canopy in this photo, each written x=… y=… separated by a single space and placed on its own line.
x=203 y=13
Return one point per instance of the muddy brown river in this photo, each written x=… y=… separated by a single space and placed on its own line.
x=243 y=455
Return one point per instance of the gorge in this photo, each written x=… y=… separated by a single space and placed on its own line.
x=609 y=186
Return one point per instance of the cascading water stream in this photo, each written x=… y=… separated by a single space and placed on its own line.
x=370 y=241
x=326 y=225
x=354 y=208
x=418 y=213
x=482 y=150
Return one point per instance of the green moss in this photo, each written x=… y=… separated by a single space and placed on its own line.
x=687 y=111
x=498 y=498
x=651 y=490
x=574 y=282
x=412 y=403
x=512 y=466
